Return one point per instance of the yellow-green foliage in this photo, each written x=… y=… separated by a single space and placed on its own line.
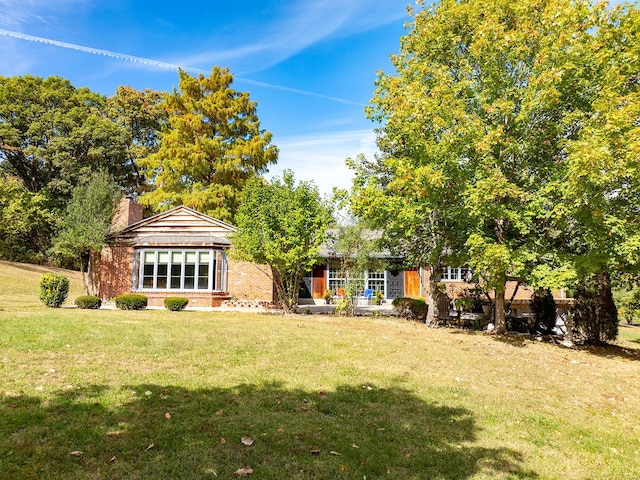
x=54 y=289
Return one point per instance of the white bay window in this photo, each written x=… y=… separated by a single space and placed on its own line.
x=181 y=269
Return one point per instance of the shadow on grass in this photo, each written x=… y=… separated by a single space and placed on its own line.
x=606 y=350
x=172 y=432
x=613 y=351
x=513 y=339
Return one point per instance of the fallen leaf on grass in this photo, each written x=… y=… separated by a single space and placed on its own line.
x=219 y=412
x=167 y=415
x=149 y=447
x=315 y=452
x=223 y=440
x=355 y=446
x=335 y=453
x=113 y=459
x=77 y=453
x=247 y=441
x=244 y=471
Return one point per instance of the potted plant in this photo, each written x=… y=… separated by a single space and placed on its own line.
x=328 y=297
x=378 y=298
x=464 y=303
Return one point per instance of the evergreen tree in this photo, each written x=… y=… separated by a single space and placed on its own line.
x=212 y=146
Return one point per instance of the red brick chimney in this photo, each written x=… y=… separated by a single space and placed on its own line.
x=129 y=211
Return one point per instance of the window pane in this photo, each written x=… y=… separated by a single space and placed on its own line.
x=147 y=276
x=204 y=257
x=149 y=257
x=163 y=257
x=216 y=268
x=161 y=281
x=191 y=257
x=189 y=275
x=176 y=257
x=203 y=277
x=176 y=273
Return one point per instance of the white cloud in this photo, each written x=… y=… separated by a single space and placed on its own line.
x=151 y=63
x=15 y=13
x=320 y=157
x=297 y=26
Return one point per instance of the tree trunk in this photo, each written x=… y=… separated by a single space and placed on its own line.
x=91 y=277
x=83 y=270
x=501 y=322
x=431 y=298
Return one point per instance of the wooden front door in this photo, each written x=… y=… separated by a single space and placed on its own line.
x=412 y=283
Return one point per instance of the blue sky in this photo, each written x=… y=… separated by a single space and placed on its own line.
x=310 y=65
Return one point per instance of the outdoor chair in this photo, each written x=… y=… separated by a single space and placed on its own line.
x=444 y=304
x=368 y=296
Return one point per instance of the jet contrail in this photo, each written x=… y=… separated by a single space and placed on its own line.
x=159 y=64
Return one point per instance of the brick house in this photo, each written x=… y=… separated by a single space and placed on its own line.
x=413 y=283
x=180 y=252
x=392 y=283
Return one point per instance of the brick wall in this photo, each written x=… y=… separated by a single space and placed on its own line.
x=128 y=212
x=196 y=299
x=524 y=292
x=116 y=271
x=247 y=281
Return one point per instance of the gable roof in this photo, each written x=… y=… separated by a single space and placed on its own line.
x=180 y=226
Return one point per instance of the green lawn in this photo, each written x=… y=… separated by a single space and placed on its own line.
x=156 y=394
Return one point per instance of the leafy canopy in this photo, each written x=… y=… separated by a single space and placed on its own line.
x=502 y=103
x=26 y=222
x=87 y=222
x=212 y=146
x=282 y=225
x=53 y=135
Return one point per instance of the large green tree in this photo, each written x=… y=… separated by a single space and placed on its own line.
x=282 y=225
x=141 y=117
x=53 y=135
x=211 y=147
x=420 y=215
x=598 y=192
x=489 y=100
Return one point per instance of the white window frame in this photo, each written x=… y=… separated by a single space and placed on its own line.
x=337 y=278
x=372 y=277
x=455 y=274
x=217 y=269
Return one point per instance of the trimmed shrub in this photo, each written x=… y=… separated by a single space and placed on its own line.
x=54 y=289
x=402 y=306
x=131 y=301
x=88 y=301
x=410 y=308
x=175 y=304
x=419 y=309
